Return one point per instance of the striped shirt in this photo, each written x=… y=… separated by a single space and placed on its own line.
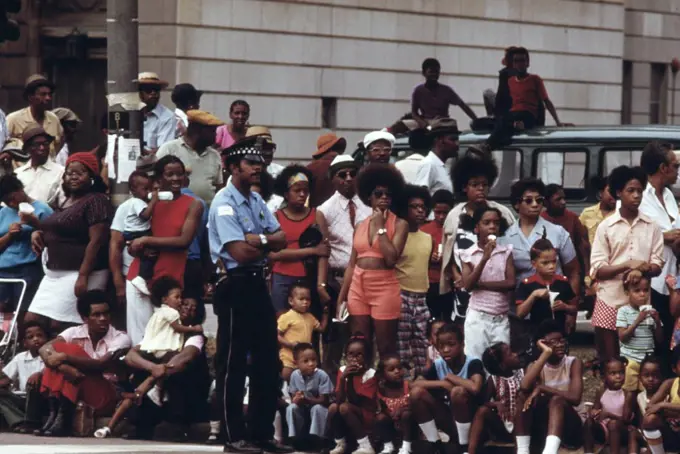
x=642 y=341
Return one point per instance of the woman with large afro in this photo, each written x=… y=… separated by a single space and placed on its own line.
x=370 y=286
x=473 y=175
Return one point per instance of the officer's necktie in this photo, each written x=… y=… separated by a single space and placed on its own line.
x=352 y=212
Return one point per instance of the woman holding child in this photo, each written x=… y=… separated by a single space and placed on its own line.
x=173 y=225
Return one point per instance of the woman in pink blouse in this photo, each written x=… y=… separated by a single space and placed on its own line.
x=624 y=241
x=227 y=135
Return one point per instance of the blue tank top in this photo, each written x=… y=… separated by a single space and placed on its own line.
x=443 y=369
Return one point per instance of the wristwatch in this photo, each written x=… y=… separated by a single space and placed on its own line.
x=263 y=239
x=382 y=231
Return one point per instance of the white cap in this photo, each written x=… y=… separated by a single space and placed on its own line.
x=378 y=135
x=341 y=159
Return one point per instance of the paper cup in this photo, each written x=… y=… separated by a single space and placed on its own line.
x=26 y=208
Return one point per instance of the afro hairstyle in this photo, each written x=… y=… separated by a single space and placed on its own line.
x=621 y=175
x=473 y=166
x=377 y=174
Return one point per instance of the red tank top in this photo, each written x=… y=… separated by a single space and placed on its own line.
x=167 y=220
x=361 y=240
x=293 y=230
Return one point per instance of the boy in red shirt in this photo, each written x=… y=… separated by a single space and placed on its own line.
x=440 y=306
x=528 y=93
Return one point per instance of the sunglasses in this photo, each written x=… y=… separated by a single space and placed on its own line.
x=344 y=175
x=531 y=200
x=379 y=193
x=150 y=89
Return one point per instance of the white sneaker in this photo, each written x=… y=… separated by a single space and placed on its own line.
x=387 y=450
x=104 y=432
x=340 y=447
x=404 y=450
x=364 y=450
x=140 y=284
x=444 y=437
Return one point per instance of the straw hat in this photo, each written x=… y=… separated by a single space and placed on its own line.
x=150 y=78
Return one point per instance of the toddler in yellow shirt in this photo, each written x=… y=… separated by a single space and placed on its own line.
x=297 y=325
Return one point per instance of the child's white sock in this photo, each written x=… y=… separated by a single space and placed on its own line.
x=364 y=442
x=430 y=431
x=523 y=443
x=443 y=436
x=463 y=429
x=278 y=427
x=214 y=427
x=388 y=448
x=405 y=448
x=552 y=444
x=654 y=440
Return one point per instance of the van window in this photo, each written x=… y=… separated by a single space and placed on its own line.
x=509 y=162
x=613 y=158
x=566 y=167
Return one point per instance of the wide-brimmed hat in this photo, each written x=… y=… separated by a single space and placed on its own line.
x=66 y=114
x=442 y=126
x=329 y=141
x=342 y=161
x=203 y=118
x=15 y=147
x=149 y=78
x=260 y=131
x=249 y=148
x=36 y=80
x=378 y=135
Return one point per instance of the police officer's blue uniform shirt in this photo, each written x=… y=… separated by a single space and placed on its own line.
x=231 y=217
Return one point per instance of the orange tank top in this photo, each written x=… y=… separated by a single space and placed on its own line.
x=361 y=240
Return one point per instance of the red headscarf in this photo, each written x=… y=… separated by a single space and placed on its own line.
x=87 y=159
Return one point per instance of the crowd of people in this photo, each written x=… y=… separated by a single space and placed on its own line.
x=362 y=306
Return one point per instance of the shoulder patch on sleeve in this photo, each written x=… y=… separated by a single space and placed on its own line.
x=225 y=210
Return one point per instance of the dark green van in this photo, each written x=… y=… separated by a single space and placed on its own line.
x=567 y=156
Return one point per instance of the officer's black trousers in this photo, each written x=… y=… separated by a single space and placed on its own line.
x=247 y=325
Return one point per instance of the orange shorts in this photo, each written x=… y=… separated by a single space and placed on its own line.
x=375 y=293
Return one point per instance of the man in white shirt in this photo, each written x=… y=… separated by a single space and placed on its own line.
x=433 y=173
x=342 y=213
x=658 y=203
x=410 y=166
x=41 y=176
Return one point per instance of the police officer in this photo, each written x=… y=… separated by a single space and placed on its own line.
x=241 y=233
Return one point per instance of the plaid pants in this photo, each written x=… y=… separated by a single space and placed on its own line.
x=412 y=331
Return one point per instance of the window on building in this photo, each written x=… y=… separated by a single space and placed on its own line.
x=329 y=113
x=658 y=94
x=627 y=93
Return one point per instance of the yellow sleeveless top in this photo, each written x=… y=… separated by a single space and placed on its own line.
x=413 y=265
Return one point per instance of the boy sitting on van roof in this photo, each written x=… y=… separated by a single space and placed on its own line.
x=528 y=93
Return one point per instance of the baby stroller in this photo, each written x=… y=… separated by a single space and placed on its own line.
x=9 y=323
